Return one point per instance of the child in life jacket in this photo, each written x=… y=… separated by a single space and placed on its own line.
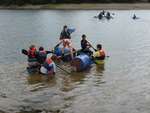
x=100 y=53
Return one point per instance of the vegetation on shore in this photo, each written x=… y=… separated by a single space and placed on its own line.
x=39 y=2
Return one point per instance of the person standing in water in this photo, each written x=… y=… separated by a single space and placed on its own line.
x=65 y=38
x=85 y=46
x=100 y=53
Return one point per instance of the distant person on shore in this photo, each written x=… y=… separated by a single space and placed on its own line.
x=85 y=46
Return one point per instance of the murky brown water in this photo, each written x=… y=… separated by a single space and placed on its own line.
x=120 y=85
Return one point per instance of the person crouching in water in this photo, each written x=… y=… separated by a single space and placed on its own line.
x=100 y=53
x=85 y=46
x=65 y=38
x=48 y=68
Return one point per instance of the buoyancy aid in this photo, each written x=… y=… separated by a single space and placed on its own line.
x=100 y=55
x=32 y=53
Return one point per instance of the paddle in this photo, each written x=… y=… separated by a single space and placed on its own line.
x=91 y=46
x=62 y=69
x=57 y=45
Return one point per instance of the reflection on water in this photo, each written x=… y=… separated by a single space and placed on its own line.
x=120 y=84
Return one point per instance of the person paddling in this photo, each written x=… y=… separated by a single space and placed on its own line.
x=65 y=38
x=85 y=46
x=100 y=53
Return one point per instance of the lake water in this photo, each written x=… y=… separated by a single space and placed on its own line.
x=121 y=85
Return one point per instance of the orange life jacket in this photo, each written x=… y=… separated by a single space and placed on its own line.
x=102 y=53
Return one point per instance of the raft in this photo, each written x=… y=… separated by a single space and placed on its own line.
x=57 y=57
x=81 y=62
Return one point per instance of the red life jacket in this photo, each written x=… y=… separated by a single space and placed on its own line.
x=49 y=61
x=32 y=53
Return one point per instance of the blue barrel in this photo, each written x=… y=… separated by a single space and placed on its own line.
x=67 y=56
x=81 y=62
x=71 y=30
x=58 y=51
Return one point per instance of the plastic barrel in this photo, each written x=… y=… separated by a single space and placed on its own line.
x=71 y=30
x=67 y=56
x=81 y=62
x=58 y=51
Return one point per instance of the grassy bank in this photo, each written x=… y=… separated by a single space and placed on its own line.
x=113 y=6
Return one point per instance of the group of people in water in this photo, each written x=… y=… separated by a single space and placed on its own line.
x=104 y=14
x=37 y=59
x=108 y=15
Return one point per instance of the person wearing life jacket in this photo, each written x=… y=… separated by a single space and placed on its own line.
x=85 y=46
x=32 y=57
x=49 y=67
x=100 y=53
x=65 y=38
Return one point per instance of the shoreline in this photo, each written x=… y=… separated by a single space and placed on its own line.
x=84 y=6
